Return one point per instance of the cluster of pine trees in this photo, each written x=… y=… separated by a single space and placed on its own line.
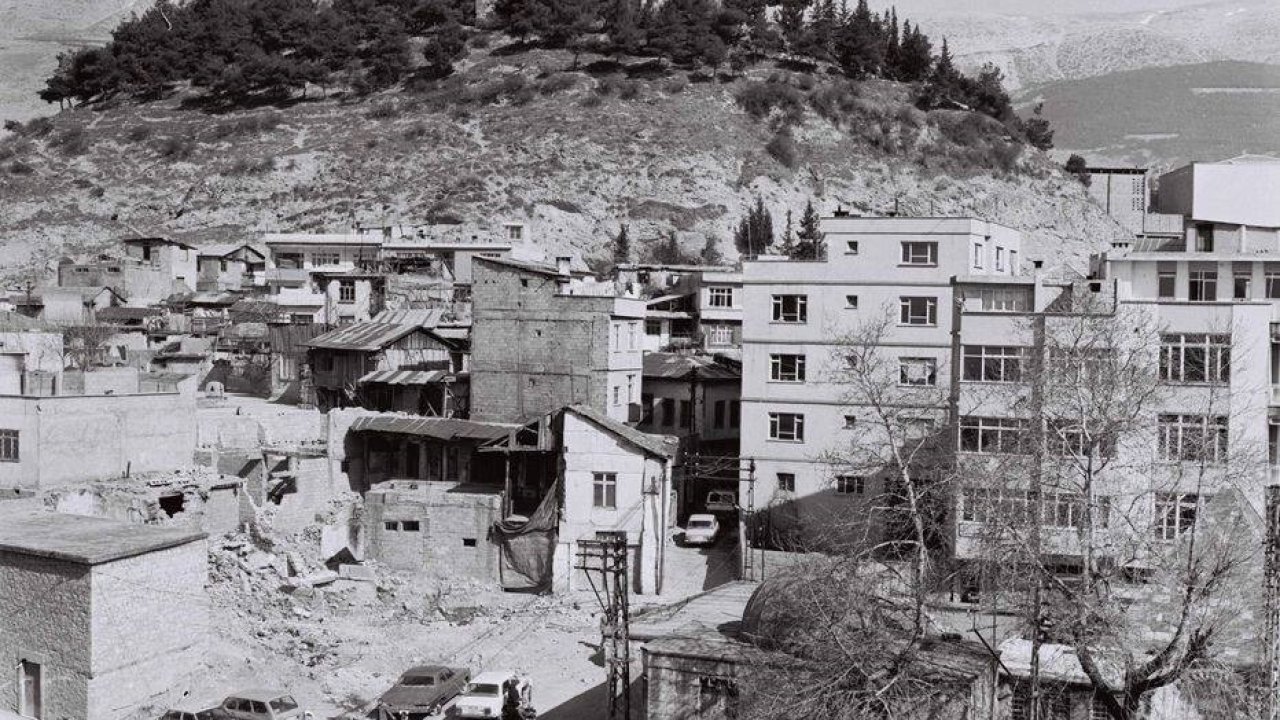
x=240 y=48
x=754 y=234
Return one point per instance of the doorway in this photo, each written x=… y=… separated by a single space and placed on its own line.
x=30 y=690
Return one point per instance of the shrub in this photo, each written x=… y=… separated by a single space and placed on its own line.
x=676 y=85
x=174 y=147
x=17 y=167
x=250 y=166
x=783 y=149
x=592 y=100
x=557 y=83
x=72 y=141
x=629 y=90
x=138 y=133
x=760 y=99
x=36 y=127
x=480 y=40
x=834 y=101
x=524 y=95
x=383 y=110
x=416 y=131
x=248 y=125
x=608 y=84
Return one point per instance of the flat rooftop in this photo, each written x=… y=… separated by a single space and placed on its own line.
x=86 y=540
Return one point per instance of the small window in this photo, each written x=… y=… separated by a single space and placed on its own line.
x=999 y=259
x=391 y=525
x=851 y=485
x=1242 y=286
x=617 y=394
x=919 y=253
x=787 y=482
x=918 y=311
x=790 y=308
x=604 y=490
x=720 y=297
x=9 y=446
x=977 y=256
x=686 y=413
x=524 y=282
x=850 y=422
x=346 y=291
x=1168 y=285
x=786 y=368
x=668 y=412
x=787 y=427
x=917 y=371
x=652 y=327
x=851 y=302
x=468 y=542
x=851 y=247
x=411 y=526
x=720 y=408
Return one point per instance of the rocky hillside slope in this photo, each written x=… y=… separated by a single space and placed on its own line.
x=518 y=137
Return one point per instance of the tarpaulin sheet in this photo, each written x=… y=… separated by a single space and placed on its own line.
x=527 y=548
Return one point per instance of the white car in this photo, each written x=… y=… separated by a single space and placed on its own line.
x=487 y=692
x=701 y=529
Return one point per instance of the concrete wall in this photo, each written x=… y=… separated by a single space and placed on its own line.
x=452 y=540
x=149 y=624
x=1243 y=193
x=44 y=618
x=673 y=687
x=69 y=439
x=535 y=350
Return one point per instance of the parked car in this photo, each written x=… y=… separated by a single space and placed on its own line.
x=422 y=691
x=259 y=704
x=487 y=693
x=722 y=501
x=701 y=529
x=188 y=711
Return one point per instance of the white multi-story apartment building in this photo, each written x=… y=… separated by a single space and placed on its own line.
x=899 y=273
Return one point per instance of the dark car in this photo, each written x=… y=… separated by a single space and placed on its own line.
x=422 y=691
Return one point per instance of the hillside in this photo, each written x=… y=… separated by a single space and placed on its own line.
x=515 y=137
x=1167 y=116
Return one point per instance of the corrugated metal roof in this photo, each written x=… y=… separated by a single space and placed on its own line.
x=661 y=445
x=439 y=428
x=368 y=336
x=407 y=377
x=675 y=366
x=108 y=314
x=427 y=318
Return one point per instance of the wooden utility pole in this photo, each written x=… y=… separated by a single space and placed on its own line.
x=1271 y=583
x=606 y=556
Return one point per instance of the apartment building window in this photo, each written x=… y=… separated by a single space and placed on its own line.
x=1204 y=237
x=515 y=232
x=991 y=363
x=1013 y=262
x=1014 y=507
x=787 y=482
x=919 y=253
x=735 y=414
x=1273 y=284
x=631 y=388
x=786 y=368
x=668 y=412
x=652 y=327
x=918 y=311
x=851 y=302
x=720 y=410
x=1175 y=514
x=617 y=394
x=999 y=259
x=633 y=329
x=720 y=335
x=1195 y=358
x=222 y=266
x=1066 y=438
x=617 y=336
x=720 y=297
x=851 y=247
x=917 y=371
x=9 y=446
x=992 y=435
x=787 y=427
x=790 y=308
x=325 y=258
x=1167 y=285
x=1242 y=286
x=1204 y=285
x=686 y=413
x=346 y=291
x=851 y=485
x=604 y=490
x=997 y=299
x=977 y=256
x=1192 y=438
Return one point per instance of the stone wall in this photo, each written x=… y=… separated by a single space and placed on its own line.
x=149 y=624
x=44 y=618
x=452 y=535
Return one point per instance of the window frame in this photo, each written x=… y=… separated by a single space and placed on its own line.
x=792 y=434
x=778 y=370
x=1007 y=436
x=991 y=363
x=1173 y=445
x=604 y=490
x=786 y=482
x=1203 y=283
x=912 y=256
x=906 y=313
x=1174 y=513
x=720 y=297
x=798 y=314
x=10 y=445
x=1177 y=358
x=347 y=291
x=851 y=484
x=931 y=371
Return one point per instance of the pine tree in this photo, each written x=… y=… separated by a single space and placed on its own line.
x=893 y=46
x=791 y=23
x=754 y=234
x=944 y=70
x=915 y=56
x=622 y=25
x=711 y=251
x=1037 y=129
x=860 y=43
x=809 y=239
x=622 y=247
x=788 y=243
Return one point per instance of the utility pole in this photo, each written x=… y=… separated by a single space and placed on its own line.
x=1271 y=584
x=606 y=556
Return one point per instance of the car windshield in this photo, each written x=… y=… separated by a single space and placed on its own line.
x=699 y=523
x=486 y=689
x=420 y=680
x=284 y=703
x=172 y=715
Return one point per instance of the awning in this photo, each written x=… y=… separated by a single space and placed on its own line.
x=438 y=428
x=408 y=377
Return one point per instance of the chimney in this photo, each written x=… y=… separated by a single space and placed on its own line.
x=563 y=263
x=841 y=212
